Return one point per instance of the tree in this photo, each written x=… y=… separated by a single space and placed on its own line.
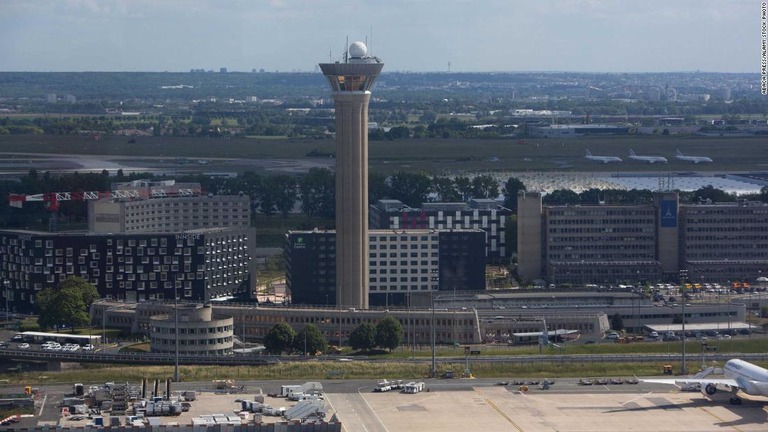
x=318 y=193
x=463 y=187
x=485 y=186
x=389 y=333
x=310 y=340
x=410 y=188
x=511 y=188
x=398 y=132
x=279 y=338
x=377 y=187
x=66 y=305
x=445 y=189
x=711 y=194
x=285 y=193
x=363 y=337
x=561 y=197
x=278 y=192
x=617 y=323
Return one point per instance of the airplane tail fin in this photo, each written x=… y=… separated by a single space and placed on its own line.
x=589 y=153
x=632 y=152
x=679 y=153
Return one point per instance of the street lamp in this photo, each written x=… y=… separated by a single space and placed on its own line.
x=176 y=330
x=683 y=276
x=6 y=283
x=434 y=354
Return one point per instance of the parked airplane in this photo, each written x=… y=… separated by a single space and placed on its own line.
x=649 y=159
x=603 y=159
x=693 y=159
x=739 y=375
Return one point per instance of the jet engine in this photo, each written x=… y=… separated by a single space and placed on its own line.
x=709 y=389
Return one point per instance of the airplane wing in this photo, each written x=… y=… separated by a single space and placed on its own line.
x=702 y=381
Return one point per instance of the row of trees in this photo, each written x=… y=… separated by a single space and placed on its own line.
x=270 y=194
x=281 y=338
x=705 y=194
x=315 y=190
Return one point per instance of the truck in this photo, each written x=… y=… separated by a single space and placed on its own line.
x=222 y=384
x=286 y=390
x=414 y=387
x=382 y=386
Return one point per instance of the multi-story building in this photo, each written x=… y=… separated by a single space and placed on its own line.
x=615 y=244
x=401 y=262
x=484 y=214
x=167 y=215
x=724 y=242
x=196 y=264
x=201 y=331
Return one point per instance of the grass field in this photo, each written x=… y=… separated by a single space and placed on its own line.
x=326 y=370
x=431 y=155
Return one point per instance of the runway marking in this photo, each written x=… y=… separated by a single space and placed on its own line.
x=42 y=405
x=372 y=410
x=718 y=418
x=493 y=405
x=637 y=398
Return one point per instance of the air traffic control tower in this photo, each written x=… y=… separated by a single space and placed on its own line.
x=351 y=83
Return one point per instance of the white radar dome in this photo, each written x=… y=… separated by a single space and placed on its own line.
x=358 y=50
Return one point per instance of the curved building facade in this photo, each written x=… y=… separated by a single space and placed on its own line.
x=200 y=331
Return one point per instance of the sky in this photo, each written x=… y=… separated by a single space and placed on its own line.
x=408 y=35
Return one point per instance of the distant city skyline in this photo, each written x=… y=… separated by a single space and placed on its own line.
x=409 y=35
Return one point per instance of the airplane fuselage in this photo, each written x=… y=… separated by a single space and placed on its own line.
x=649 y=159
x=603 y=159
x=694 y=159
x=752 y=379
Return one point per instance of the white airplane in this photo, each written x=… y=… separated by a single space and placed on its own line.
x=693 y=159
x=739 y=375
x=649 y=159
x=603 y=159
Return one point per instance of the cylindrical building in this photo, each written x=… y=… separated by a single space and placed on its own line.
x=200 y=331
x=351 y=82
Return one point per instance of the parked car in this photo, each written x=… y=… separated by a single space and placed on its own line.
x=24 y=345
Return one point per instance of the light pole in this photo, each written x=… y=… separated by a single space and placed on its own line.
x=176 y=331
x=455 y=341
x=434 y=354
x=104 y=325
x=683 y=275
x=7 y=310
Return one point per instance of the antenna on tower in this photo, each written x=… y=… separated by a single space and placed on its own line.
x=370 y=51
x=346 y=51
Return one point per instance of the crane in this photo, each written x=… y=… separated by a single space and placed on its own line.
x=51 y=199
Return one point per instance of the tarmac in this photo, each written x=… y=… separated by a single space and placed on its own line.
x=571 y=408
x=467 y=405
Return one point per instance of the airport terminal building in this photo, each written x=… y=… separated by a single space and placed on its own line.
x=639 y=244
